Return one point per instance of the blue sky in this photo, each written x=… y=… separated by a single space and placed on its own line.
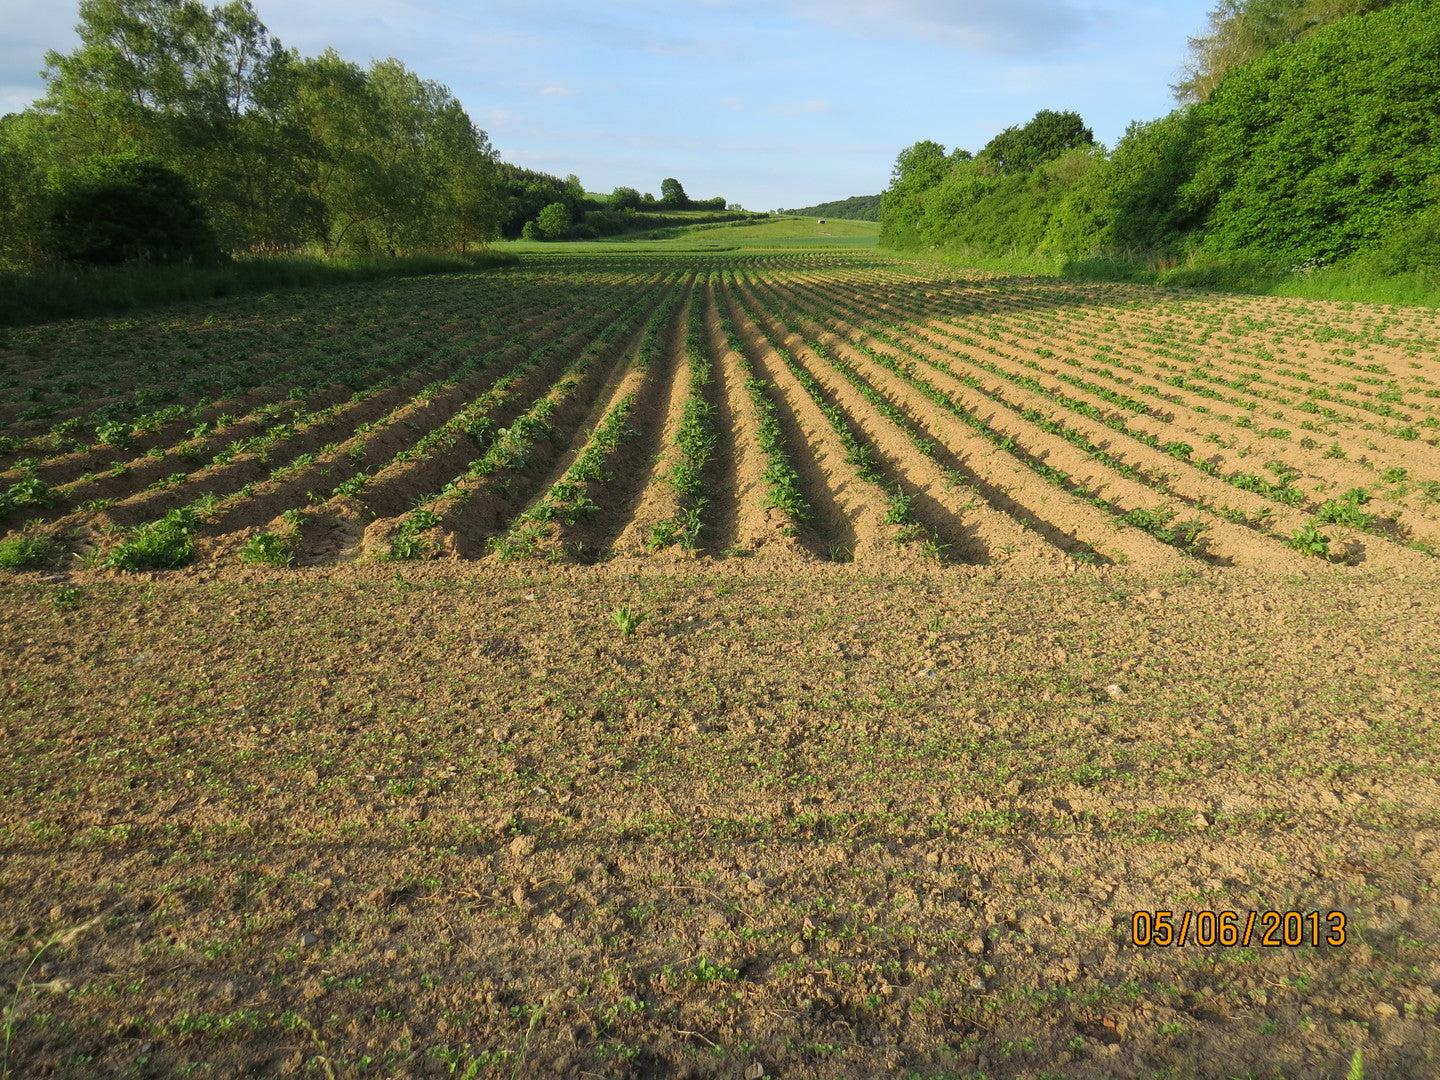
x=772 y=104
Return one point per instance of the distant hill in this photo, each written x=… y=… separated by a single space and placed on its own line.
x=856 y=208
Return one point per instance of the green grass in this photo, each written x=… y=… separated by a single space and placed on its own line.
x=779 y=232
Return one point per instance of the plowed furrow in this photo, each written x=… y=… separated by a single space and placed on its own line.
x=945 y=500
x=481 y=503
x=1123 y=441
x=745 y=523
x=1191 y=410
x=580 y=517
x=849 y=512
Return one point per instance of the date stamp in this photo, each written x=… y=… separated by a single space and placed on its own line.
x=1228 y=929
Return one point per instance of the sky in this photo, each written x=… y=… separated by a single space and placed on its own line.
x=770 y=103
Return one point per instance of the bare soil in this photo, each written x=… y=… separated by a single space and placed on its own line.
x=357 y=821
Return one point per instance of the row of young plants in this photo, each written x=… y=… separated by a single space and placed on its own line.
x=782 y=482
x=513 y=446
x=1189 y=367
x=475 y=420
x=1159 y=521
x=168 y=542
x=1336 y=451
x=695 y=440
x=1281 y=490
x=284 y=419
x=355 y=352
x=1343 y=512
x=572 y=497
x=860 y=455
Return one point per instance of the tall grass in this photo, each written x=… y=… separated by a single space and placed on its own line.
x=52 y=294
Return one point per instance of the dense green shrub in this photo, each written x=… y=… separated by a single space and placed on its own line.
x=1327 y=145
x=123 y=208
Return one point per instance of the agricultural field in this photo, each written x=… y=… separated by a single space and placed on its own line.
x=799 y=663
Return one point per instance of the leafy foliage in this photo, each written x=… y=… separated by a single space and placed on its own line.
x=1048 y=135
x=126 y=208
x=1325 y=146
x=554 y=221
x=855 y=208
x=672 y=195
x=279 y=151
x=1242 y=31
x=1319 y=147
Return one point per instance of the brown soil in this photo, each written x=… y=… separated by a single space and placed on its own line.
x=347 y=822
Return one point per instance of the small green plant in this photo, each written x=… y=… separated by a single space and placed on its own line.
x=1397 y=475
x=67 y=597
x=628 y=619
x=31 y=491
x=1357 y=1066
x=160 y=545
x=408 y=543
x=112 y=433
x=1156 y=522
x=1346 y=511
x=24 y=552
x=268 y=548
x=706 y=972
x=1310 y=541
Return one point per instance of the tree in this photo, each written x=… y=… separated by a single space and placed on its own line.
x=202 y=89
x=1242 y=31
x=1048 y=135
x=672 y=195
x=22 y=189
x=625 y=198
x=281 y=151
x=918 y=167
x=554 y=221
x=530 y=231
x=126 y=208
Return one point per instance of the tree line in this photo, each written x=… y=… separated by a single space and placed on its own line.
x=1309 y=133
x=855 y=208
x=178 y=131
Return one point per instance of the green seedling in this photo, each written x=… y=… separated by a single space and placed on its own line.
x=67 y=597
x=628 y=619
x=268 y=548
x=1310 y=541
x=160 y=545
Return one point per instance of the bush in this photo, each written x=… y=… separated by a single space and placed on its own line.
x=554 y=221
x=124 y=208
x=530 y=231
x=1415 y=247
x=1324 y=146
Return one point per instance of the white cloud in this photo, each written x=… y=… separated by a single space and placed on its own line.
x=557 y=92
x=1012 y=28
